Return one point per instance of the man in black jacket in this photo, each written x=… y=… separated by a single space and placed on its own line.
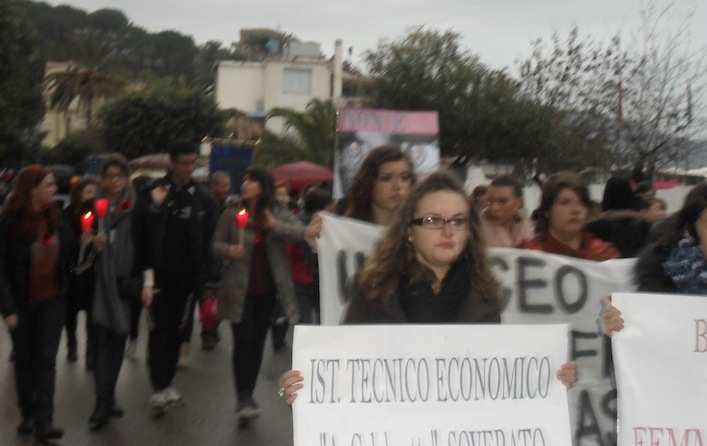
x=177 y=234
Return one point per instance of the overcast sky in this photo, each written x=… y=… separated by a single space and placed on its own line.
x=499 y=31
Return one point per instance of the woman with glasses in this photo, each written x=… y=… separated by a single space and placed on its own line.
x=117 y=266
x=430 y=267
x=562 y=216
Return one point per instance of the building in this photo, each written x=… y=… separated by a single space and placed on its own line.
x=289 y=76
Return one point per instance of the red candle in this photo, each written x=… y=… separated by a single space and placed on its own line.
x=87 y=221
x=242 y=218
x=102 y=207
x=241 y=222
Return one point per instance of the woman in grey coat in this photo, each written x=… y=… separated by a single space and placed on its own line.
x=255 y=275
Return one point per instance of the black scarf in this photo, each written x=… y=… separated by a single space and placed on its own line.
x=422 y=306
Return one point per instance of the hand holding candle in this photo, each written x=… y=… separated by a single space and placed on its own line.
x=241 y=222
x=87 y=221
x=101 y=212
x=86 y=225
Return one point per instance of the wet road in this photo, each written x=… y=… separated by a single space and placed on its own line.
x=207 y=418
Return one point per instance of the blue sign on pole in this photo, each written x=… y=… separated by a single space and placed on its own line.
x=231 y=158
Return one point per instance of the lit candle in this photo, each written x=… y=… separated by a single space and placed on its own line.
x=87 y=221
x=241 y=222
x=101 y=212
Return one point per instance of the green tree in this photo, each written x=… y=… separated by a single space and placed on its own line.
x=21 y=104
x=483 y=115
x=147 y=122
x=311 y=136
x=174 y=55
x=136 y=47
x=427 y=70
x=108 y=20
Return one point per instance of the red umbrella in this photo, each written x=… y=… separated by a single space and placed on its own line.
x=301 y=173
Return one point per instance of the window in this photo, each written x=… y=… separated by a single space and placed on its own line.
x=297 y=81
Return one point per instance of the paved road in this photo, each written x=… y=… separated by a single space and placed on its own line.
x=207 y=418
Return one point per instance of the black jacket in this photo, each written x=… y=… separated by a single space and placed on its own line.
x=150 y=229
x=649 y=271
x=625 y=229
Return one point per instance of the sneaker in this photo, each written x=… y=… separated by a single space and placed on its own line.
x=174 y=398
x=247 y=409
x=183 y=362
x=159 y=401
x=131 y=349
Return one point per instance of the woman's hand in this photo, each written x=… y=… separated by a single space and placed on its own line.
x=99 y=241
x=12 y=321
x=313 y=231
x=290 y=382
x=86 y=237
x=568 y=373
x=236 y=252
x=611 y=319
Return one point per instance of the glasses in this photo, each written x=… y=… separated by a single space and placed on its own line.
x=430 y=222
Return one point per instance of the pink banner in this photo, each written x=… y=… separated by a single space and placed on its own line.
x=387 y=121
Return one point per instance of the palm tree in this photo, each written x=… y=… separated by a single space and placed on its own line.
x=85 y=83
x=315 y=129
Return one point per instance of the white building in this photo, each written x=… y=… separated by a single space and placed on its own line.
x=290 y=78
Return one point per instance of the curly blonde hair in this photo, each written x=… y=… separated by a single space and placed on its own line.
x=394 y=256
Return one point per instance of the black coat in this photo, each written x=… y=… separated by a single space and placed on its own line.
x=150 y=234
x=649 y=271
x=626 y=230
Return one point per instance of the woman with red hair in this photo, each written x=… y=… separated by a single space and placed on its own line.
x=32 y=279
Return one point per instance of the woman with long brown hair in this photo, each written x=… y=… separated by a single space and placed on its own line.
x=32 y=277
x=430 y=267
x=255 y=275
x=380 y=185
x=80 y=285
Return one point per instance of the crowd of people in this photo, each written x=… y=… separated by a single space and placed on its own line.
x=170 y=244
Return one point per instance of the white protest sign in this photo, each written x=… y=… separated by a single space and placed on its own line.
x=546 y=288
x=541 y=289
x=343 y=246
x=430 y=385
x=661 y=369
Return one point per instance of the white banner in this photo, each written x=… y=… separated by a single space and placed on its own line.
x=541 y=288
x=661 y=369
x=546 y=288
x=343 y=246
x=451 y=385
